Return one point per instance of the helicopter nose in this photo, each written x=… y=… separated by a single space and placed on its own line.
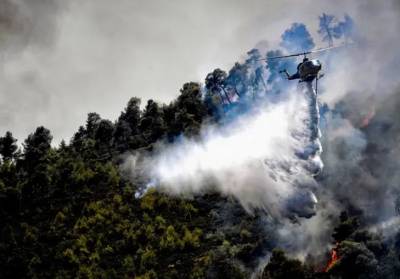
x=317 y=66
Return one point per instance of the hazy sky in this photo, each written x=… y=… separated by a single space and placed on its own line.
x=63 y=59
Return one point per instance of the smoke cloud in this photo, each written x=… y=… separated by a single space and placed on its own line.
x=262 y=158
x=360 y=128
x=360 y=139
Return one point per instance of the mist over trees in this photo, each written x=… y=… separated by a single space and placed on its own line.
x=70 y=212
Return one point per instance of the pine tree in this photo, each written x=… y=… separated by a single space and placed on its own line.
x=8 y=147
x=215 y=83
x=326 y=28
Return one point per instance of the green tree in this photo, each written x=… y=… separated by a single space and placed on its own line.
x=186 y=114
x=92 y=123
x=280 y=267
x=104 y=138
x=126 y=134
x=8 y=147
x=237 y=78
x=347 y=226
x=152 y=122
x=327 y=28
x=215 y=83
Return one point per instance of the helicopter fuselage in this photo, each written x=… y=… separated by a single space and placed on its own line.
x=308 y=70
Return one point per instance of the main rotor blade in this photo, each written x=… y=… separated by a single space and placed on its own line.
x=286 y=56
x=303 y=53
x=327 y=48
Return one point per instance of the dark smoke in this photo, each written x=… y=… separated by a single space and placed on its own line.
x=26 y=23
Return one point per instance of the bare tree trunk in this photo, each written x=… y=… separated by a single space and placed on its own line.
x=264 y=84
x=226 y=95
x=221 y=96
x=236 y=92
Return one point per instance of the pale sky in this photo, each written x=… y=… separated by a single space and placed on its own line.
x=63 y=59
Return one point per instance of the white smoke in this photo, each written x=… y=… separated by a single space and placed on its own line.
x=254 y=159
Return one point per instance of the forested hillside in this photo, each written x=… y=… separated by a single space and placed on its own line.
x=69 y=212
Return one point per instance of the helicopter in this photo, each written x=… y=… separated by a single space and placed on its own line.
x=308 y=70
